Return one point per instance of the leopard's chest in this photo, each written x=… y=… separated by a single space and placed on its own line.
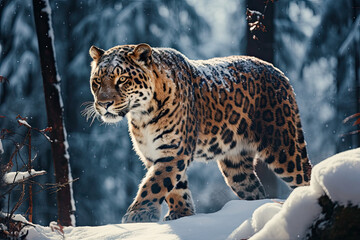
x=144 y=144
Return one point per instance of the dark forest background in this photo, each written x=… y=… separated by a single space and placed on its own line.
x=314 y=42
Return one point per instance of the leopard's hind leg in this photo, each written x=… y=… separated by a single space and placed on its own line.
x=239 y=174
x=287 y=156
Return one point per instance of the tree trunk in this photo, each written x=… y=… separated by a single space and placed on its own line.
x=263 y=48
x=54 y=109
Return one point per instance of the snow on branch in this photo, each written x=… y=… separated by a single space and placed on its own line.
x=24 y=122
x=17 y=177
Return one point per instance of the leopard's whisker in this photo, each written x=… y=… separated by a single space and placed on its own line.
x=89 y=112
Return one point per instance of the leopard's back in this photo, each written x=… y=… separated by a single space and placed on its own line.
x=247 y=107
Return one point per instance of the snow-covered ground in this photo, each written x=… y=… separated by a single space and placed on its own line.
x=262 y=219
x=214 y=226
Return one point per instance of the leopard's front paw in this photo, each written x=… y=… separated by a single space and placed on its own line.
x=172 y=215
x=142 y=215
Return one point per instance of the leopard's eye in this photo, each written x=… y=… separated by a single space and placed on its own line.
x=97 y=80
x=94 y=85
x=122 y=79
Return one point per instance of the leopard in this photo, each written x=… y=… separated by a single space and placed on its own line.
x=234 y=110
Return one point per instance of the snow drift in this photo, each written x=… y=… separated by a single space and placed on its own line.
x=201 y=226
x=338 y=177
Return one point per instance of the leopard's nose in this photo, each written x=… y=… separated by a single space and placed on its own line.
x=106 y=105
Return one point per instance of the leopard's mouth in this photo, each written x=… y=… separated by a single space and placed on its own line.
x=115 y=114
x=109 y=117
x=123 y=112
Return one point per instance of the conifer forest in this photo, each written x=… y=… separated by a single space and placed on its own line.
x=316 y=43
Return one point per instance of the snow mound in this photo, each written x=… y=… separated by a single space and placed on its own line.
x=287 y=222
x=259 y=218
x=338 y=177
x=213 y=226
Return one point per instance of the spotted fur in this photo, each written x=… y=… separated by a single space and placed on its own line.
x=231 y=110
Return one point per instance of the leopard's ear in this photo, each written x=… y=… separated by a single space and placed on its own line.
x=96 y=53
x=142 y=54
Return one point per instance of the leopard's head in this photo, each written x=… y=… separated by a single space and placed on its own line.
x=120 y=81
